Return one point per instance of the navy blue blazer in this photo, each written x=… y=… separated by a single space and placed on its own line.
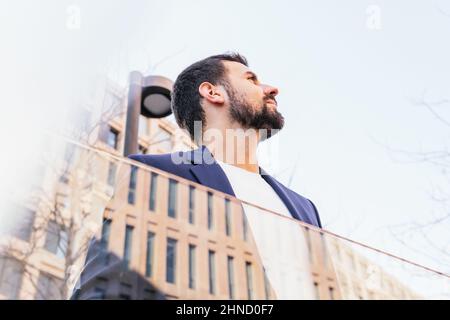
x=199 y=166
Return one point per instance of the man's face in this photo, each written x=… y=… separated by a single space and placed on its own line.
x=252 y=104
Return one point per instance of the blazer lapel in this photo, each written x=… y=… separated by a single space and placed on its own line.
x=208 y=172
x=283 y=196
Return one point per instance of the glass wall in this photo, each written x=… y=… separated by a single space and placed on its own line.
x=82 y=238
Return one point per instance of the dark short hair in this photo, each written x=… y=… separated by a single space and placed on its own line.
x=186 y=100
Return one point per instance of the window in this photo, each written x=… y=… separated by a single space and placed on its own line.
x=112 y=138
x=101 y=285
x=152 y=200
x=210 y=211
x=48 y=287
x=132 y=186
x=128 y=245
x=112 y=173
x=266 y=285
x=172 y=205
x=230 y=269
x=56 y=240
x=125 y=291
x=149 y=257
x=171 y=254
x=227 y=217
x=150 y=294
x=191 y=204
x=244 y=226
x=23 y=228
x=191 y=266
x=104 y=241
x=248 y=272
x=331 y=292
x=316 y=290
x=212 y=272
x=106 y=230
x=11 y=272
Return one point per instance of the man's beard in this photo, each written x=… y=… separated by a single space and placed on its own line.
x=270 y=120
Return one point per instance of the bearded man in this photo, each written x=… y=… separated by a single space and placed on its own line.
x=227 y=112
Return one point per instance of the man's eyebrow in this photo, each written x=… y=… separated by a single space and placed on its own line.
x=251 y=74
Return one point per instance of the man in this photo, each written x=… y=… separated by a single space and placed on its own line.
x=227 y=111
x=220 y=102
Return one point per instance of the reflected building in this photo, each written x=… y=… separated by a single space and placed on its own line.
x=156 y=236
x=362 y=279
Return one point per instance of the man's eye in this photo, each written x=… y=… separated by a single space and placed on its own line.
x=252 y=78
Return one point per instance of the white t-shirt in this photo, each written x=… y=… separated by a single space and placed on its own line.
x=280 y=242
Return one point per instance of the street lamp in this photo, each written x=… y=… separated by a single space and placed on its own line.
x=148 y=96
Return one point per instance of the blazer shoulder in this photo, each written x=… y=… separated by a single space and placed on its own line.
x=292 y=192
x=306 y=202
x=149 y=159
x=177 y=163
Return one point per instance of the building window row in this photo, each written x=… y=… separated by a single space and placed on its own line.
x=172 y=264
x=172 y=201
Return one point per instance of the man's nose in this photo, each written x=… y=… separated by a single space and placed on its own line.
x=269 y=90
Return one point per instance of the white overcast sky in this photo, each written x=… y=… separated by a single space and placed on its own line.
x=347 y=90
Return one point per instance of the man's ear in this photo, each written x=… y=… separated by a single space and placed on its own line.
x=212 y=93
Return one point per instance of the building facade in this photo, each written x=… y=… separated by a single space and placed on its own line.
x=166 y=237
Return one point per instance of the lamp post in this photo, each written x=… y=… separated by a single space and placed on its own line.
x=148 y=96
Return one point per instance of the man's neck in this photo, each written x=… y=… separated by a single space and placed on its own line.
x=237 y=147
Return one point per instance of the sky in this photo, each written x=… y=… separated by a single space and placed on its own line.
x=350 y=75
